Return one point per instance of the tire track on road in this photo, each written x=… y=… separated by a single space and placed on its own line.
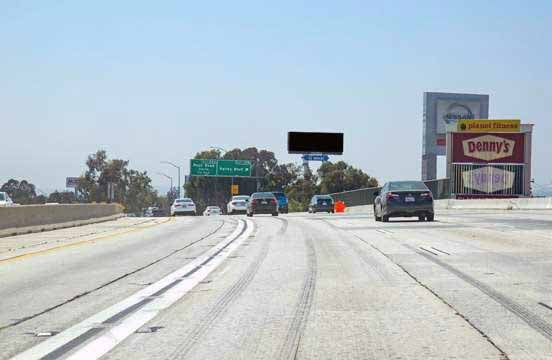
x=283 y=229
x=532 y=320
x=225 y=300
x=290 y=347
x=372 y=263
x=81 y=295
x=502 y=353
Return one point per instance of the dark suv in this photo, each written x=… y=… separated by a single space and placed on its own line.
x=321 y=203
x=282 y=202
x=262 y=203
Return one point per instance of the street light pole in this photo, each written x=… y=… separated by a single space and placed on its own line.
x=168 y=177
x=177 y=167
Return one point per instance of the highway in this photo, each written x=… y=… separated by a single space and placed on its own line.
x=471 y=285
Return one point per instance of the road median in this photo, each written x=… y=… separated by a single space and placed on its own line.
x=16 y=220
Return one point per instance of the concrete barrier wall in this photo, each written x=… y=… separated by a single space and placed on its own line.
x=478 y=204
x=31 y=218
x=496 y=204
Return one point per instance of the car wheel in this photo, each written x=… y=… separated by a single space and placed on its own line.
x=430 y=217
x=421 y=218
x=376 y=217
x=274 y=214
x=385 y=218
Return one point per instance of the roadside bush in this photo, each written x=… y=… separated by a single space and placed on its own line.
x=296 y=206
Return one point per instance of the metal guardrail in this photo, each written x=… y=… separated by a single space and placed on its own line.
x=439 y=187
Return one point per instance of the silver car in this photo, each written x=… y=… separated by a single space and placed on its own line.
x=404 y=199
x=238 y=205
x=183 y=206
x=212 y=211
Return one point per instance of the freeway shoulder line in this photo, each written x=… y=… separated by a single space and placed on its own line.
x=81 y=242
x=125 y=275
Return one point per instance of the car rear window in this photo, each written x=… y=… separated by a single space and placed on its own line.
x=241 y=198
x=407 y=185
x=180 y=201
x=265 y=195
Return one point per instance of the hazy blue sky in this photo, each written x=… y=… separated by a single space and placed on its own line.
x=151 y=81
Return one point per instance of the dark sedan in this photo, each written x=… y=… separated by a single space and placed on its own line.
x=262 y=203
x=404 y=199
x=321 y=203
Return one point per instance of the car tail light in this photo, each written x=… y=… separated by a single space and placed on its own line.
x=392 y=196
x=254 y=202
x=177 y=206
x=426 y=195
x=273 y=201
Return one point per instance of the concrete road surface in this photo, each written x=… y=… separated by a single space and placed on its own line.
x=472 y=285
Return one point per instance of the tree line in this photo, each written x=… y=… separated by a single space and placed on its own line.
x=133 y=188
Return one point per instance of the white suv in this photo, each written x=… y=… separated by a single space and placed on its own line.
x=238 y=204
x=183 y=206
x=5 y=199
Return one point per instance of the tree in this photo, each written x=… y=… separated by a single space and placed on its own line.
x=132 y=188
x=340 y=176
x=282 y=176
x=136 y=191
x=64 y=197
x=21 y=192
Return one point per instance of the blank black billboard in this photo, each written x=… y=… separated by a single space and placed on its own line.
x=315 y=142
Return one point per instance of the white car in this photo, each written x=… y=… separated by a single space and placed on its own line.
x=238 y=204
x=212 y=210
x=183 y=206
x=5 y=200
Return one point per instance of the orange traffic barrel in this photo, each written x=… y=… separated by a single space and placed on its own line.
x=339 y=206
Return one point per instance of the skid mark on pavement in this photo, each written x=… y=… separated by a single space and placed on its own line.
x=290 y=347
x=503 y=354
x=222 y=304
x=531 y=319
x=78 y=296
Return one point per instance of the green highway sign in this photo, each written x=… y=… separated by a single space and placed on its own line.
x=213 y=167
x=203 y=167
x=234 y=168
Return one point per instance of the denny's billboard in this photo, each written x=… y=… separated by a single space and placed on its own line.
x=488 y=148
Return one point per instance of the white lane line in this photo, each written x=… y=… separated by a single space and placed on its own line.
x=111 y=336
